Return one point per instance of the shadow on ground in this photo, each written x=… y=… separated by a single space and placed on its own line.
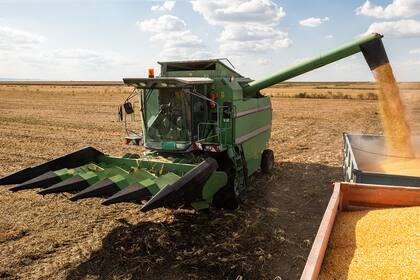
x=269 y=236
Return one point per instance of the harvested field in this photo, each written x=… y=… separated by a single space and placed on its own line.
x=338 y=90
x=271 y=235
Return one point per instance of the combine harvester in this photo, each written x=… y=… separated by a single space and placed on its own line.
x=206 y=128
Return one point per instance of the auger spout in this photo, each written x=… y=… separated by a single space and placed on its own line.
x=370 y=45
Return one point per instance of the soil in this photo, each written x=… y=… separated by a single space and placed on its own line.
x=269 y=237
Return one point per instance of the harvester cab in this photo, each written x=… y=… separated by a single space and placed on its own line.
x=181 y=111
x=206 y=128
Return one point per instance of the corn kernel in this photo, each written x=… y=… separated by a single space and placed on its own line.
x=374 y=244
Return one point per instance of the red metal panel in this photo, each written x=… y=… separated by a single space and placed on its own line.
x=316 y=256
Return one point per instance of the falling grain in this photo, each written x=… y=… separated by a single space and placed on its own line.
x=395 y=125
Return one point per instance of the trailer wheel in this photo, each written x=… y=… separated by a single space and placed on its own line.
x=267 y=161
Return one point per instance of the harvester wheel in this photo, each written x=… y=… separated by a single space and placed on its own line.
x=230 y=196
x=267 y=161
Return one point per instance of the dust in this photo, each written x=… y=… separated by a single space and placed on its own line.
x=396 y=128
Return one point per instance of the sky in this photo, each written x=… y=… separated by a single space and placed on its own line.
x=113 y=39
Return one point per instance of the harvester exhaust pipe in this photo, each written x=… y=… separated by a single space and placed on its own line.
x=374 y=53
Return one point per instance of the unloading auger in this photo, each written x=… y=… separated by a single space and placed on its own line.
x=206 y=128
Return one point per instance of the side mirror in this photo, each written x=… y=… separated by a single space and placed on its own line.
x=128 y=108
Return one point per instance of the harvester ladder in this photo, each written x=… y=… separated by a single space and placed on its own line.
x=240 y=183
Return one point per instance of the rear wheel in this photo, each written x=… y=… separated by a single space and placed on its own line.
x=267 y=161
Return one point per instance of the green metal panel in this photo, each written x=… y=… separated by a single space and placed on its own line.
x=253 y=149
x=151 y=185
x=224 y=91
x=64 y=173
x=248 y=124
x=253 y=129
x=217 y=181
x=157 y=166
x=169 y=145
x=245 y=105
x=90 y=177
x=264 y=101
x=311 y=64
x=124 y=180
x=195 y=69
x=167 y=179
x=231 y=88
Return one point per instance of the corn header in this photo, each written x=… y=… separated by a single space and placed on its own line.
x=206 y=129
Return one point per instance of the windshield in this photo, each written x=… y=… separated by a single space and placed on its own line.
x=167 y=118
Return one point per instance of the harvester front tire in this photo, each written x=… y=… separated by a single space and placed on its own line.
x=226 y=197
x=267 y=161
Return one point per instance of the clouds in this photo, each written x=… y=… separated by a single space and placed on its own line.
x=172 y=34
x=87 y=57
x=399 y=29
x=13 y=39
x=403 y=28
x=24 y=54
x=248 y=26
x=240 y=39
x=166 y=6
x=27 y=46
x=254 y=34
x=313 y=22
x=263 y=61
x=163 y=24
x=398 y=8
x=69 y=59
x=239 y=11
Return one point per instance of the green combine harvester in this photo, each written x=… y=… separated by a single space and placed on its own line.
x=206 y=129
